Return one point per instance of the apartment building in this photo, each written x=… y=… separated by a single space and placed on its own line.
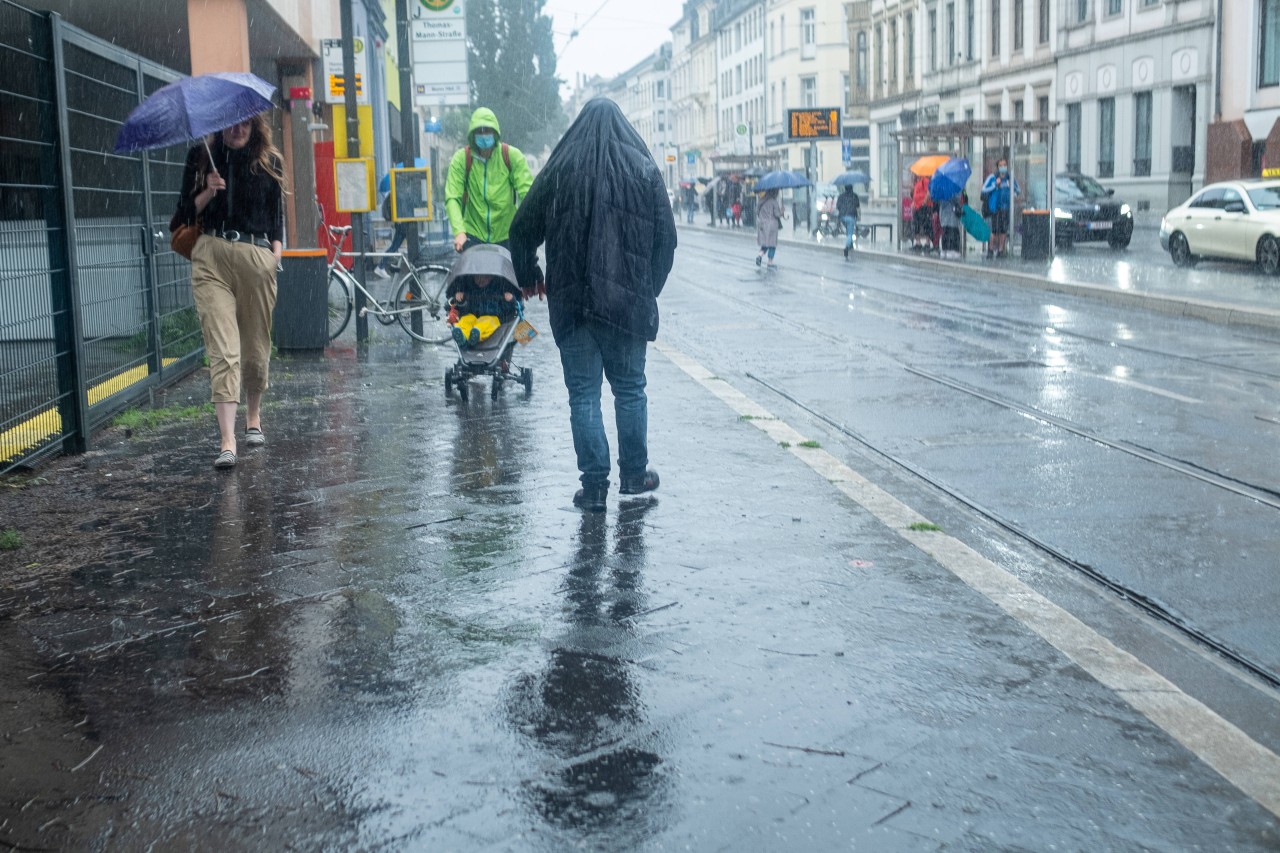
x=740 y=76
x=807 y=65
x=1243 y=139
x=1134 y=92
x=694 y=116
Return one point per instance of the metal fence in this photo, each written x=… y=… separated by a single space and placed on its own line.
x=95 y=310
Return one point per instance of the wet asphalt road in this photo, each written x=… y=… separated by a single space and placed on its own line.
x=1138 y=444
x=390 y=630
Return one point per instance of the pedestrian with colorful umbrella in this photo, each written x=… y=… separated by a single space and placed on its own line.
x=999 y=190
x=232 y=189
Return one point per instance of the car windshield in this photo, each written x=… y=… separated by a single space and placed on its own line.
x=1077 y=187
x=1266 y=198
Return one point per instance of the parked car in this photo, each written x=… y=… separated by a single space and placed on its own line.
x=1234 y=220
x=1085 y=211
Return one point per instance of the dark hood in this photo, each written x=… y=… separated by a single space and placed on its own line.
x=601 y=207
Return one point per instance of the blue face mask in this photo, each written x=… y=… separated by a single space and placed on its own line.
x=484 y=141
x=1004 y=170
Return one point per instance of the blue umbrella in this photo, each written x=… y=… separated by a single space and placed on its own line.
x=193 y=107
x=851 y=178
x=384 y=183
x=780 y=181
x=949 y=179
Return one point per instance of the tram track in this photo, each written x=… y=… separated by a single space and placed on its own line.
x=1262 y=495
x=943 y=309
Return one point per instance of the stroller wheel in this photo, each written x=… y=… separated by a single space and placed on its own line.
x=526 y=379
x=448 y=382
x=495 y=388
x=464 y=390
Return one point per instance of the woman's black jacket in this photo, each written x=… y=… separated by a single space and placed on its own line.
x=250 y=204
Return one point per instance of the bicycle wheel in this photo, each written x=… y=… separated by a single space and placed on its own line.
x=339 y=304
x=422 y=289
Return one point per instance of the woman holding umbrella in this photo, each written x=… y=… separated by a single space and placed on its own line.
x=233 y=184
x=769 y=216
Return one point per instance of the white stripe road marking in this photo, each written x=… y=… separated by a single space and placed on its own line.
x=1242 y=761
x=1150 y=389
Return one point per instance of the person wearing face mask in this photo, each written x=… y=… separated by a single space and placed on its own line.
x=486 y=180
x=233 y=184
x=999 y=189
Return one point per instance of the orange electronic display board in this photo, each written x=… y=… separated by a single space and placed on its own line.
x=814 y=124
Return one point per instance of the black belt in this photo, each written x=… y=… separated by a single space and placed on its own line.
x=239 y=237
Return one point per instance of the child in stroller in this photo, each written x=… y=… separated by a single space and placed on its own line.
x=484 y=313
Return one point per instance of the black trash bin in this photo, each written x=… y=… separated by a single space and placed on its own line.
x=1037 y=236
x=301 y=319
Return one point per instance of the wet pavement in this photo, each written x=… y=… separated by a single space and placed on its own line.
x=390 y=629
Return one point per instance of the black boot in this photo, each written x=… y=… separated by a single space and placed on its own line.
x=591 y=496
x=638 y=484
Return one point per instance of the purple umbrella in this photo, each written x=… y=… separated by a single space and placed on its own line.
x=949 y=179
x=194 y=107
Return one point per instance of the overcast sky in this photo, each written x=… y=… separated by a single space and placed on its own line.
x=622 y=33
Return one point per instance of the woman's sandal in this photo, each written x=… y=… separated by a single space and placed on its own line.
x=226 y=459
x=253 y=437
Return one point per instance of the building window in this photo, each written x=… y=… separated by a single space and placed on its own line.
x=933 y=39
x=1106 y=138
x=888 y=157
x=844 y=87
x=1269 y=44
x=1044 y=22
x=893 y=52
x=951 y=33
x=1115 y=7
x=860 y=68
x=1018 y=23
x=1142 y=134
x=1073 y=137
x=909 y=48
x=808 y=91
x=1082 y=11
x=970 y=30
x=1019 y=110
x=995 y=27
x=808 y=33
x=881 y=79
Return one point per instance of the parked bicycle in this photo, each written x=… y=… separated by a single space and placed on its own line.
x=417 y=300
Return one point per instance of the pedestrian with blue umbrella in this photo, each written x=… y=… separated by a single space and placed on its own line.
x=769 y=216
x=232 y=191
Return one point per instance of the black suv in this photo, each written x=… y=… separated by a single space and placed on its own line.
x=1086 y=211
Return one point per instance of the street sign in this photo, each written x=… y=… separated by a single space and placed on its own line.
x=335 y=83
x=438 y=33
x=821 y=123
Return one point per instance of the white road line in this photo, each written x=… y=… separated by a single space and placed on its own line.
x=1242 y=761
x=1150 y=389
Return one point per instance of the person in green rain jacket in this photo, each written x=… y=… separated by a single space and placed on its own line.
x=487 y=178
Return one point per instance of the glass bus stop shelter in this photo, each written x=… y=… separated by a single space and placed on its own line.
x=1028 y=147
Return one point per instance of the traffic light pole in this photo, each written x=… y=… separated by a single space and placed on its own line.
x=408 y=127
x=353 y=151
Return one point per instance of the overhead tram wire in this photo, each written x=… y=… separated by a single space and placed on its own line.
x=573 y=34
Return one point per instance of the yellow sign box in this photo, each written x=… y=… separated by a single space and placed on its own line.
x=1273 y=172
x=814 y=124
x=354 y=185
x=364 y=113
x=411 y=195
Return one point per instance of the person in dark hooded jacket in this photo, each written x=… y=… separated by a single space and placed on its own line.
x=601 y=207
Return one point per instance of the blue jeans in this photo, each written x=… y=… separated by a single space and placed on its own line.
x=397 y=237
x=850 y=223
x=588 y=352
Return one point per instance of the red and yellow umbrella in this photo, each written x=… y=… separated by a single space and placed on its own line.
x=927 y=165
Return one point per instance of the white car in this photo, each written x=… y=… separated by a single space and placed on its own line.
x=1234 y=220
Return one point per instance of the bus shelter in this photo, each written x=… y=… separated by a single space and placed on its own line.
x=733 y=179
x=1028 y=148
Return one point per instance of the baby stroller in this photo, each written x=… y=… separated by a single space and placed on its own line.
x=491 y=356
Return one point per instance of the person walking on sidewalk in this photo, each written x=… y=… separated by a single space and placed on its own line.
x=234 y=188
x=601 y=207
x=486 y=180
x=999 y=189
x=848 y=208
x=769 y=216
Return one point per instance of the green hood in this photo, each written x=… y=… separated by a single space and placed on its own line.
x=483 y=117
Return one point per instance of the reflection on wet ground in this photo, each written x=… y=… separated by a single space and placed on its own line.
x=389 y=629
